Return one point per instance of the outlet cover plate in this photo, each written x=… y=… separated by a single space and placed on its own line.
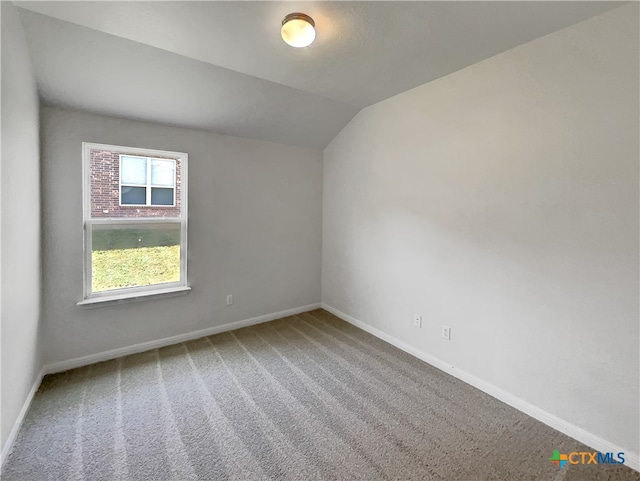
x=446 y=333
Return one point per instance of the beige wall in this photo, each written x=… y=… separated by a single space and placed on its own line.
x=20 y=223
x=502 y=201
x=254 y=232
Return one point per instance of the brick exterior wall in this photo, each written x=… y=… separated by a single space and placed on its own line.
x=105 y=189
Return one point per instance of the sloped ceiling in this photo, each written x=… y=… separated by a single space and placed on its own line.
x=221 y=66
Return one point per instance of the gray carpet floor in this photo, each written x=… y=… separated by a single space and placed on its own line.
x=307 y=397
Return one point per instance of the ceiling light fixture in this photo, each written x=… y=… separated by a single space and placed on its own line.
x=298 y=30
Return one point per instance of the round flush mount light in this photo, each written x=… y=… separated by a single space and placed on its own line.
x=298 y=30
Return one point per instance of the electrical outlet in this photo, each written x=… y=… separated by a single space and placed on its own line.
x=229 y=299
x=446 y=333
x=417 y=320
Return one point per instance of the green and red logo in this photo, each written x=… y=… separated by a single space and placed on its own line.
x=559 y=459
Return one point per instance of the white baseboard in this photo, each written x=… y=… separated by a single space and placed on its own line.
x=8 y=445
x=168 y=341
x=631 y=459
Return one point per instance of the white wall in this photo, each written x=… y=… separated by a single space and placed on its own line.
x=502 y=200
x=20 y=214
x=254 y=232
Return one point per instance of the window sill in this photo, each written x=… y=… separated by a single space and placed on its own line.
x=134 y=296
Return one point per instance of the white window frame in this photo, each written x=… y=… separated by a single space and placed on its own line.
x=90 y=297
x=148 y=185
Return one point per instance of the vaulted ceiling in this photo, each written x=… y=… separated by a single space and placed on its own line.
x=222 y=66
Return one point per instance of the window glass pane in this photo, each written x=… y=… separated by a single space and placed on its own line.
x=133 y=170
x=110 y=199
x=163 y=172
x=134 y=195
x=127 y=256
x=161 y=196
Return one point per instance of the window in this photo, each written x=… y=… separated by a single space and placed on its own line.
x=135 y=222
x=147 y=181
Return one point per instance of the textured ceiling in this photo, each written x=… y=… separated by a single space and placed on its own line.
x=222 y=66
